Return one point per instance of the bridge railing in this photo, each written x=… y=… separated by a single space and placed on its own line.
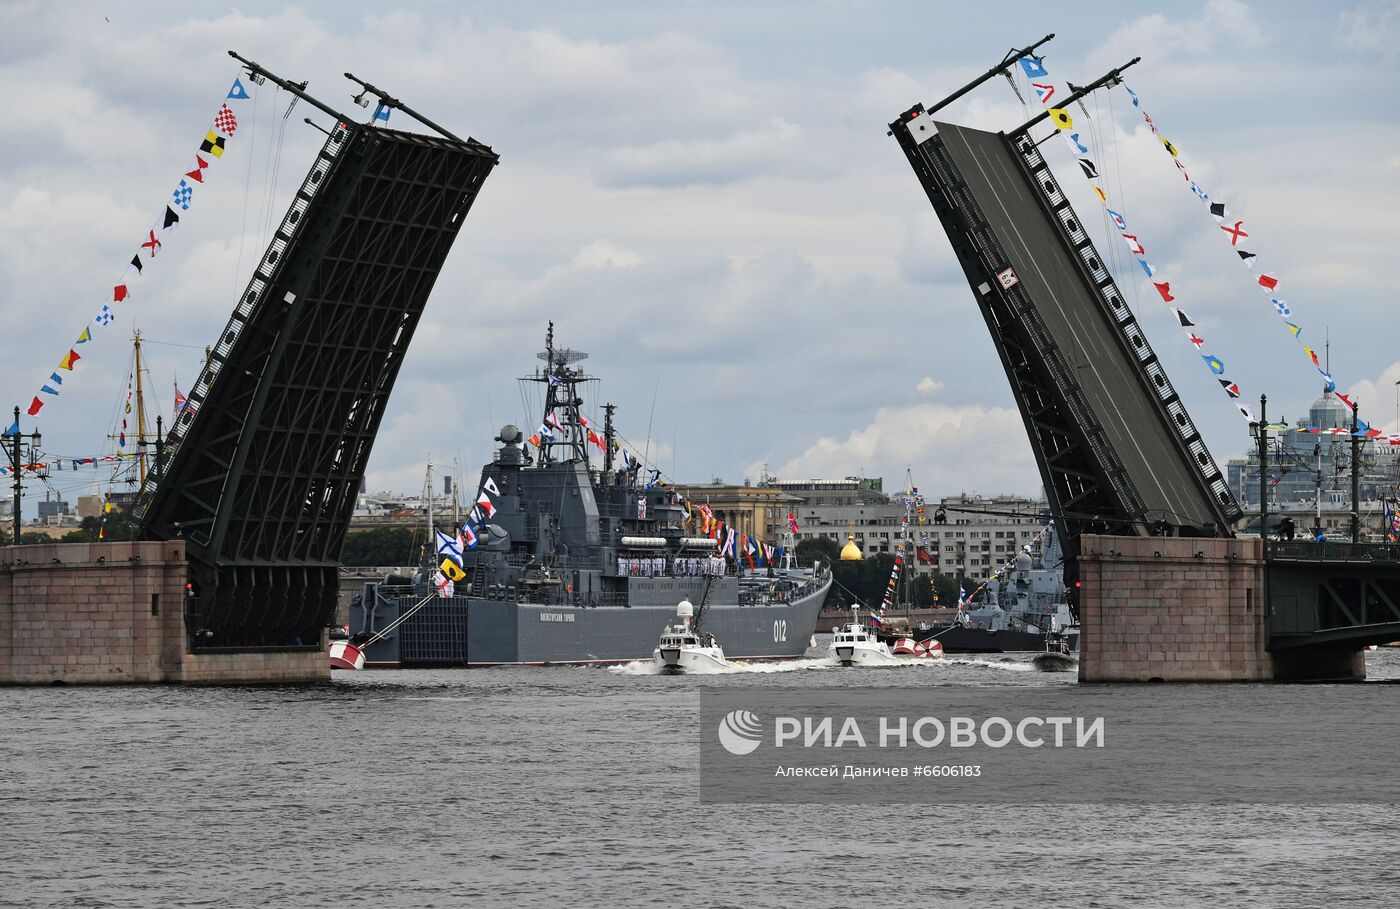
x=1332 y=551
x=1127 y=324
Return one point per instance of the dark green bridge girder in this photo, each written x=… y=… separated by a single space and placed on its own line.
x=1333 y=594
x=261 y=476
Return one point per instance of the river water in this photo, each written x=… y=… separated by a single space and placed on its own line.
x=576 y=787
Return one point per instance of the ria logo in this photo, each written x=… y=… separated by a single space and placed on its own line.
x=740 y=732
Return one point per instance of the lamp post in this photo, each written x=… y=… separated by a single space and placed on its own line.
x=1262 y=434
x=17 y=467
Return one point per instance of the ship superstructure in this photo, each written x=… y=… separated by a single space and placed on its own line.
x=579 y=554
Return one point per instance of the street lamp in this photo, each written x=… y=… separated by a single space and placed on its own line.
x=17 y=466
x=1261 y=435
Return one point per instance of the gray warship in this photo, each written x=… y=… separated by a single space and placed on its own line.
x=581 y=561
x=1023 y=609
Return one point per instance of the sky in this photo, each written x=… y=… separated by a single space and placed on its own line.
x=703 y=197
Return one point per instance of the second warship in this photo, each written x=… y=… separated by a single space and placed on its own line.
x=580 y=559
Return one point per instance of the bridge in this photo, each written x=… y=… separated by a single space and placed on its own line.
x=260 y=475
x=1128 y=477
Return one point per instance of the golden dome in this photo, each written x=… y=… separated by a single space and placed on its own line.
x=851 y=552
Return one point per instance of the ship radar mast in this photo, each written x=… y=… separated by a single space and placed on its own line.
x=563 y=436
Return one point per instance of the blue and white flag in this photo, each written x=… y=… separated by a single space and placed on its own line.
x=448 y=547
x=1034 y=69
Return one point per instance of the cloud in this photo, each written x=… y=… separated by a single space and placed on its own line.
x=702 y=160
x=1372 y=29
x=924 y=256
x=602 y=254
x=719 y=219
x=968 y=447
x=1219 y=24
x=1378 y=399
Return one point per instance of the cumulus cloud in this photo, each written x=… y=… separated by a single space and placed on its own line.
x=1189 y=32
x=955 y=447
x=1379 y=399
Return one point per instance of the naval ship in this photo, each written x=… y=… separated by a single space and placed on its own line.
x=1024 y=609
x=581 y=559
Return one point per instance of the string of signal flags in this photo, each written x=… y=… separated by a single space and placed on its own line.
x=1231 y=228
x=452 y=548
x=209 y=150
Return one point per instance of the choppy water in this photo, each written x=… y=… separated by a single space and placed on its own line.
x=572 y=786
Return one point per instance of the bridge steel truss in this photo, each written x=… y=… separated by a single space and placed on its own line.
x=261 y=474
x=1341 y=593
x=1090 y=483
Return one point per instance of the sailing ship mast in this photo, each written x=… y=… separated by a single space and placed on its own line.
x=140 y=411
x=138 y=368
x=907 y=549
x=428 y=494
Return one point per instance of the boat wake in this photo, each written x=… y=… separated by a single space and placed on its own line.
x=1006 y=665
x=735 y=667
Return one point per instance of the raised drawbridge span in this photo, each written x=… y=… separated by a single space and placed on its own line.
x=261 y=474
x=1118 y=453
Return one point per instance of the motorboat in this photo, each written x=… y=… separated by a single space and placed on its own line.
x=684 y=650
x=853 y=644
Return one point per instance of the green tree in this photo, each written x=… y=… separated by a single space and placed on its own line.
x=382 y=546
x=824 y=548
x=875 y=577
x=120 y=526
x=847 y=578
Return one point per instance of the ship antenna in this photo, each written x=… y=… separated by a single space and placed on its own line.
x=608 y=409
x=646 y=453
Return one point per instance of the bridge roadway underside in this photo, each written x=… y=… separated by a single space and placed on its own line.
x=1180 y=609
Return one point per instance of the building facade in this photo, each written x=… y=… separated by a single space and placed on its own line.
x=1309 y=478
x=759 y=511
x=959 y=536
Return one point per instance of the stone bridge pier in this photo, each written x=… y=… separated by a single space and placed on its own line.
x=1185 y=609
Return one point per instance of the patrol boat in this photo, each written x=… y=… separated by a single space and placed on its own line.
x=854 y=645
x=683 y=649
x=582 y=560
